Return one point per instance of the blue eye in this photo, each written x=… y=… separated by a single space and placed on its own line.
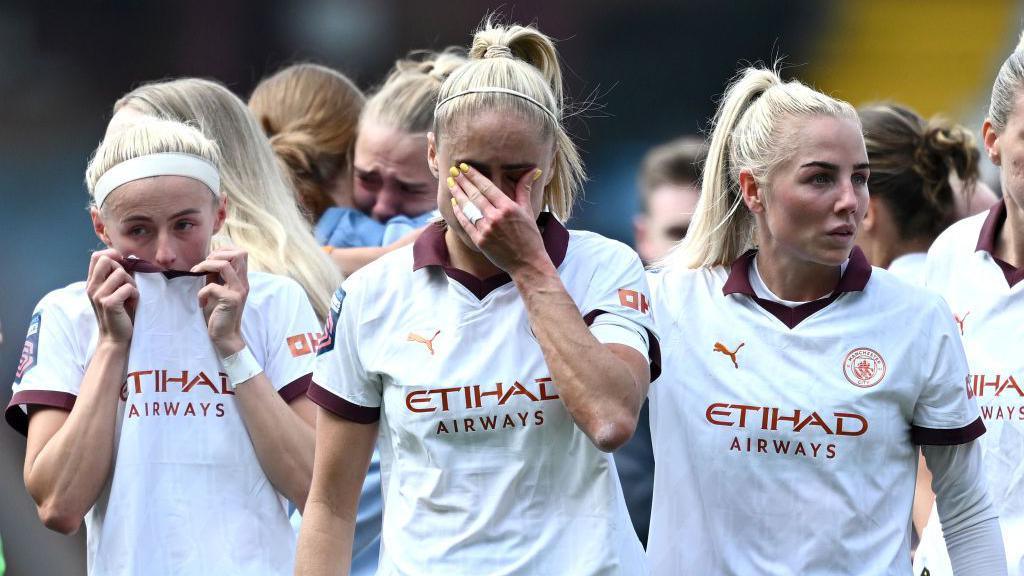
x=184 y=225
x=137 y=231
x=860 y=179
x=822 y=178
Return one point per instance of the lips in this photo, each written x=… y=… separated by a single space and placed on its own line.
x=843 y=231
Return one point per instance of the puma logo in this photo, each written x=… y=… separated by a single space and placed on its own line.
x=413 y=337
x=719 y=347
x=960 y=321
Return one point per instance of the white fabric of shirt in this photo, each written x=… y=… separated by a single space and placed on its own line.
x=186 y=494
x=497 y=486
x=909 y=267
x=736 y=493
x=992 y=316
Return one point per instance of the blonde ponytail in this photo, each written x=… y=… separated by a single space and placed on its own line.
x=752 y=130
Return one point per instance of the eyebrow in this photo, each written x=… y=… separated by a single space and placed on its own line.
x=140 y=217
x=514 y=166
x=830 y=166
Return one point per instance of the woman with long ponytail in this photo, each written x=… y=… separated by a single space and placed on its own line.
x=799 y=381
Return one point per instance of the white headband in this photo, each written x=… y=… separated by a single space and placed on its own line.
x=161 y=164
x=495 y=89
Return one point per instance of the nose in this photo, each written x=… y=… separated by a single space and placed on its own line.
x=387 y=206
x=848 y=200
x=165 y=253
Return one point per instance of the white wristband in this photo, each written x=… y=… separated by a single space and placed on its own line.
x=241 y=366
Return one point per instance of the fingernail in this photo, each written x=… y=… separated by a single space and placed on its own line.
x=453 y=171
x=454 y=203
x=451 y=183
x=536 y=174
x=464 y=167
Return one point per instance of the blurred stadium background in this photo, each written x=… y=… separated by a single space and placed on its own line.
x=653 y=70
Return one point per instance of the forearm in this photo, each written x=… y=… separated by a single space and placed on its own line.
x=67 y=475
x=977 y=550
x=595 y=385
x=325 y=541
x=283 y=441
x=969 y=521
x=343 y=452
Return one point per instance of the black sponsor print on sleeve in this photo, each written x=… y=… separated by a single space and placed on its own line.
x=30 y=352
x=326 y=343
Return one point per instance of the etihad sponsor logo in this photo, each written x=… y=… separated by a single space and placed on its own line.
x=990 y=412
x=783 y=447
x=476 y=396
x=302 y=344
x=719 y=347
x=452 y=400
x=771 y=418
x=428 y=342
x=158 y=381
x=492 y=422
x=635 y=300
x=960 y=321
x=863 y=367
x=991 y=386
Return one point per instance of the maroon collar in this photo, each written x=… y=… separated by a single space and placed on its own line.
x=854 y=279
x=430 y=249
x=987 y=242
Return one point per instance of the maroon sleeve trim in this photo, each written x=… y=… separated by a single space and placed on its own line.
x=341 y=407
x=18 y=419
x=653 y=346
x=296 y=388
x=946 y=436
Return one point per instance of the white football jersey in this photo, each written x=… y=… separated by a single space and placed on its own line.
x=186 y=494
x=987 y=299
x=484 y=471
x=784 y=437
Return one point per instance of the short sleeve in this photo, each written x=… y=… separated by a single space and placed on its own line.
x=341 y=384
x=619 y=286
x=51 y=366
x=946 y=412
x=293 y=332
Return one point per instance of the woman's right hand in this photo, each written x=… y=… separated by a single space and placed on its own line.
x=113 y=295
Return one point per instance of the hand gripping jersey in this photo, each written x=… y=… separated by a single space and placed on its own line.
x=987 y=299
x=784 y=438
x=186 y=494
x=484 y=471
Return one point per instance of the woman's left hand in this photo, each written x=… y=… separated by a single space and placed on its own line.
x=223 y=297
x=507 y=234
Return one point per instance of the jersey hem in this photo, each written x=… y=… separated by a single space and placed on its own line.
x=18 y=418
x=340 y=407
x=922 y=436
x=296 y=388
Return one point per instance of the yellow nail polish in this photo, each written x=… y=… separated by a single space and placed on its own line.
x=464 y=167
x=453 y=171
x=451 y=183
x=536 y=174
x=454 y=203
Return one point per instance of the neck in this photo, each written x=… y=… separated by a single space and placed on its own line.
x=465 y=258
x=1010 y=241
x=796 y=280
x=882 y=254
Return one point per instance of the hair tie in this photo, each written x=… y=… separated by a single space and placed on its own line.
x=498 y=51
